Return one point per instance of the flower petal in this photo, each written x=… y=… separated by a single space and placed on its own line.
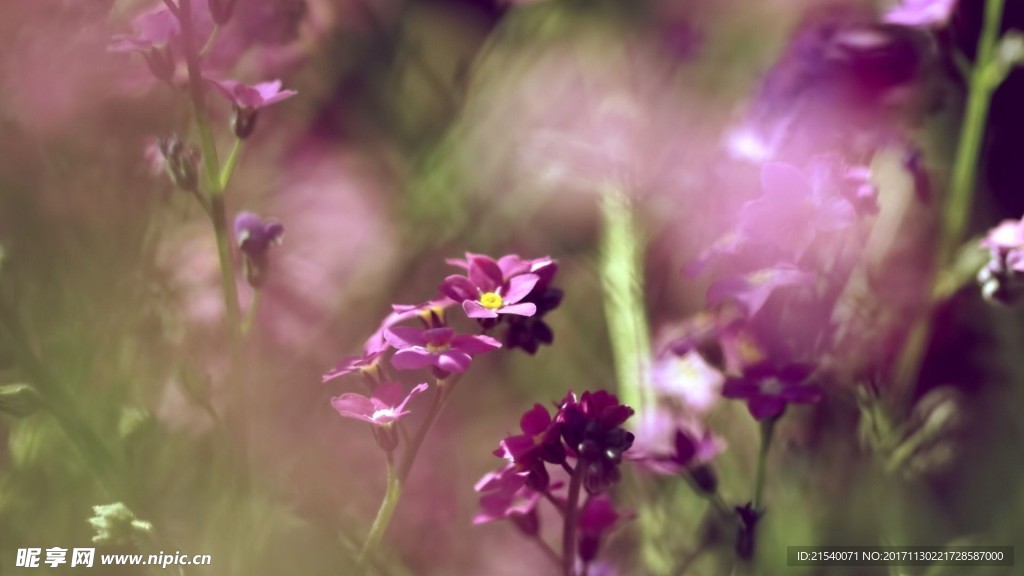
x=459 y=288
x=474 y=309
x=519 y=287
x=524 y=309
x=484 y=272
x=475 y=344
x=401 y=337
x=412 y=359
x=453 y=361
x=352 y=405
x=764 y=407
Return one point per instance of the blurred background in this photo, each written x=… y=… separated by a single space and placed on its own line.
x=423 y=129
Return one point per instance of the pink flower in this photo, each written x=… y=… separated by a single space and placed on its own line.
x=385 y=406
x=438 y=347
x=921 y=13
x=251 y=98
x=485 y=292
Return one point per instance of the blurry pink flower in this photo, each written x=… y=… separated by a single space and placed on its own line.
x=921 y=13
x=153 y=29
x=688 y=378
x=769 y=389
x=752 y=290
x=385 y=406
x=365 y=364
x=504 y=495
x=251 y=98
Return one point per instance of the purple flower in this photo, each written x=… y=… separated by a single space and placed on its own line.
x=921 y=13
x=254 y=235
x=689 y=379
x=592 y=430
x=752 y=290
x=769 y=389
x=485 y=293
x=540 y=442
x=597 y=517
x=249 y=100
x=793 y=208
x=384 y=407
x=505 y=495
x=1000 y=277
x=670 y=445
x=437 y=347
x=254 y=97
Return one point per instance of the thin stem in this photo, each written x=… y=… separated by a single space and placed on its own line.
x=397 y=477
x=212 y=164
x=387 y=509
x=210 y=41
x=767 y=429
x=984 y=80
x=571 y=512
x=229 y=164
x=250 y=314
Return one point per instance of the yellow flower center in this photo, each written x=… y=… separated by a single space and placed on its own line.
x=491 y=300
x=435 y=348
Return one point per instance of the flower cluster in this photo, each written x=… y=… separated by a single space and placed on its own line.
x=489 y=289
x=585 y=438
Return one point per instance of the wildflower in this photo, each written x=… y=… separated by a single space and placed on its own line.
x=505 y=495
x=671 y=446
x=155 y=31
x=539 y=443
x=254 y=235
x=380 y=410
x=921 y=13
x=769 y=389
x=597 y=517
x=385 y=406
x=485 y=292
x=438 y=347
x=752 y=290
x=249 y=100
x=688 y=378
x=592 y=430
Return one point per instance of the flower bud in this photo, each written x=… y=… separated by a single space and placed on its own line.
x=244 y=122
x=182 y=163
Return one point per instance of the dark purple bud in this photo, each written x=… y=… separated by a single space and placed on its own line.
x=182 y=163
x=244 y=122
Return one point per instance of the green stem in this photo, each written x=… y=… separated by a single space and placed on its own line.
x=571 y=512
x=984 y=79
x=397 y=477
x=229 y=165
x=387 y=509
x=211 y=162
x=250 y=314
x=767 y=430
x=622 y=281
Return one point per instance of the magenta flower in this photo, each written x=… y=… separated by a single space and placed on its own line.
x=437 y=347
x=592 y=430
x=540 y=442
x=484 y=292
x=752 y=290
x=249 y=100
x=670 y=446
x=384 y=407
x=597 y=517
x=921 y=13
x=793 y=208
x=255 y=97
x=769 y=389
x=512 y=265
x=504 y=495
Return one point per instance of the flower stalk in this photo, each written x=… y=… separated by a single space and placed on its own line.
x=571 y=512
